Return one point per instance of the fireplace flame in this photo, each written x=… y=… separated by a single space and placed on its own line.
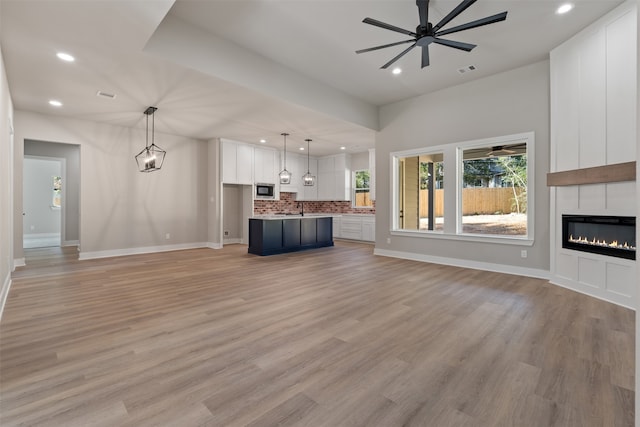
x=595 y=242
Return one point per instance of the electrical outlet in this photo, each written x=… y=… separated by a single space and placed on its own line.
x=523 y=253
x=167 y=236
x=226 y=233
x=388 y=240
x=33 y=227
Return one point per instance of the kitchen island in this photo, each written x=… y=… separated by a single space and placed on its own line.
x=272 y=235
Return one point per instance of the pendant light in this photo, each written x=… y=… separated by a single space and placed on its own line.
x=151 y=157
x=285 y=175
x=308 y=179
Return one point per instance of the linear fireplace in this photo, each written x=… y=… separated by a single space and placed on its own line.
x=605 y=235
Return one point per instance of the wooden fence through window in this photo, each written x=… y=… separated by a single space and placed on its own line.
x=475 y=201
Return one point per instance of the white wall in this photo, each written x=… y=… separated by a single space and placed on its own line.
x=39 y=216
x=508 y=103
x=122 y=210
x=360 y=161
x=6 y=185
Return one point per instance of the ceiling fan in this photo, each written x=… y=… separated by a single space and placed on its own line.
x=505 y=150
x=427 y=33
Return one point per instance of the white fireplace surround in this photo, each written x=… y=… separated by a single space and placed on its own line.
x=593 y=123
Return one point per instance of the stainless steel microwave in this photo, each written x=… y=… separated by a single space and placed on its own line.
x=265 y=191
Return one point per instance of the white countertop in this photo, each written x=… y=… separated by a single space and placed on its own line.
x=283 y=216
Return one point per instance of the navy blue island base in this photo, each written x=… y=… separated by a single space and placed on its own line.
x=277 y=235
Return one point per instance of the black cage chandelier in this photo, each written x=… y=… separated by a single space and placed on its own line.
x=151 y=157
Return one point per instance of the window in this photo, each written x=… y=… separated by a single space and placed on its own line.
x=486 y=192
x=494 y=189
x=361 y=195
x=57 y=192
x=420 y=191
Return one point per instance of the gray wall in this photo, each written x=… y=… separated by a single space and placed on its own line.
x=71 y=185
x=39 y=215
x=6 y=184
x=121 y=209
x=508 y=103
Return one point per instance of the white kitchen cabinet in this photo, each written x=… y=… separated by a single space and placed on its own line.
x=334 y=177
x=308 y=192
x=369 y=228
x=357 y=227
x=244 y=164
x=266 y=165
x=237 y=163
x=336 y=227
x=351 y=227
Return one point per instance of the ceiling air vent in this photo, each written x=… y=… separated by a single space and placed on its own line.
x=466 y=69
x=105 y=94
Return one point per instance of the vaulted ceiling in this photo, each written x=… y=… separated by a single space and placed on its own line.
x=249 y=70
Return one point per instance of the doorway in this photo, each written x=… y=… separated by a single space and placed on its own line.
x=43 y=202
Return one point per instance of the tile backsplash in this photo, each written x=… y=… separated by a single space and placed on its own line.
x=288 y=204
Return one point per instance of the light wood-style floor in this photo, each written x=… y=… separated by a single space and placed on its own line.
x=331 y=337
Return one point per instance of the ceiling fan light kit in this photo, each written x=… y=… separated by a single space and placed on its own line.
x=427 y=33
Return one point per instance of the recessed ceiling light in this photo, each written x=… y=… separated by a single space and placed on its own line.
x=343 y=148
x=397 y=71
x=263 y=141
x=301 y=148
x=55 y=103
x=65 y=57
x=564 y=8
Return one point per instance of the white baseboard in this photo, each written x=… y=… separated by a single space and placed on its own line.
x=138 y=251
x=19 y=262
x=211 y=245
x=70 y=243
x=476 y=265
x=232 y=241
x=4 y=293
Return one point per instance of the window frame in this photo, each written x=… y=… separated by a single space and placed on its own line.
x=354 y=189
x=452 y=158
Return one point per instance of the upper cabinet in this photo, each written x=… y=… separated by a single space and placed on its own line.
x=237 y=162
x=334 y=177
x=266 y=165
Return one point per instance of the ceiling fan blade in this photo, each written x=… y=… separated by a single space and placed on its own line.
x=455 y=12
x=384 y=46
x=474 y=24
x=458 y=45
x=425 y=56
x=386 y=26
x=423 y=11
x=385 y=66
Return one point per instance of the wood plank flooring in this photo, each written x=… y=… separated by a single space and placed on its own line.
x=330 y=337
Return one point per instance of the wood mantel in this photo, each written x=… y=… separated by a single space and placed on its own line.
x=596 y=175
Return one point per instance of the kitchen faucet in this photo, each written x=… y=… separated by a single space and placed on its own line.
x=301 y=206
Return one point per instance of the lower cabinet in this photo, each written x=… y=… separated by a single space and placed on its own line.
x=269 y=236
x=357 y=227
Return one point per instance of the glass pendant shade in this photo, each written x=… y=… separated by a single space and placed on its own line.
x=151 y=157
x=285 y=175
x=308 y=179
